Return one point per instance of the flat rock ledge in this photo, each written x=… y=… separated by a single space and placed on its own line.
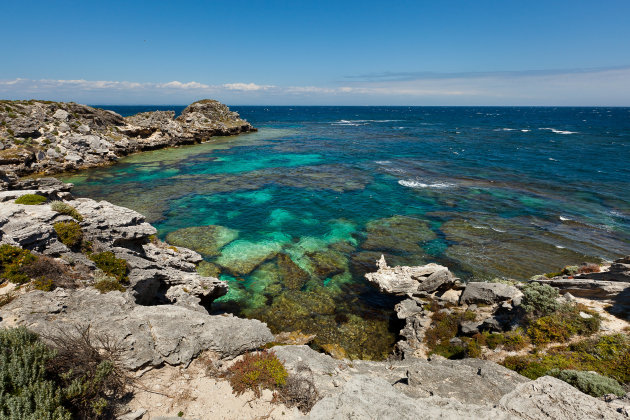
x=149 y=336
x=428 y=389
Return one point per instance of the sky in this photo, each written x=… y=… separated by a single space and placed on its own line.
x=502 y=52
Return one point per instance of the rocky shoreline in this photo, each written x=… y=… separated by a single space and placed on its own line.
x=161 y=323
x=44 y=137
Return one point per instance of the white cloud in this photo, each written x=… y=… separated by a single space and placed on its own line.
x=584 y=87
x=247 y=86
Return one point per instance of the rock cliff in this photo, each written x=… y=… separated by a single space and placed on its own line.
x=51 y=137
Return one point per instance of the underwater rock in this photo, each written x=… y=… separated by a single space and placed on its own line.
x=291 y=275
x=241 y=257
x=407 y=281
x=328 y=263
x=207 y=269
x=505 y=250
x=206 y=240
x=397 y=233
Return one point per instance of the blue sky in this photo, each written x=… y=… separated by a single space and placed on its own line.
x=504 y=52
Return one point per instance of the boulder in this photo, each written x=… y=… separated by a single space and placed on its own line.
x=488 y=293
x=407 y=281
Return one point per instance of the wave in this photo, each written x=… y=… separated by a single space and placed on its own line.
x=554 y=130
x=360 y=122
x=565 y=219
x=411 y=183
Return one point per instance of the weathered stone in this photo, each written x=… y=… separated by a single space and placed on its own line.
x=148 y=335
x=549 y=397
x=403 y=281
x=488 y=293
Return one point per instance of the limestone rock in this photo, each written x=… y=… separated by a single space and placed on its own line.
x=548 y=397
x=488 y=293
x=149 y=335
x=408 y=281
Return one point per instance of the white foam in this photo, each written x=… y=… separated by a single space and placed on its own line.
x=504 y=129
x=418 y=184
x=383 y=162
x=526 y=131
x=553 y=130
x=559 y=247
x=555 y=160
x=564 y=219
x=498 y=230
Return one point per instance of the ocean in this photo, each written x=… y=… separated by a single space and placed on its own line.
x=300 y=210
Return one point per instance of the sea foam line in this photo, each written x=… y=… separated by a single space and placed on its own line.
x=418 y=184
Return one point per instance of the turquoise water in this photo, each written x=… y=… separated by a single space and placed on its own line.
x=306 y=205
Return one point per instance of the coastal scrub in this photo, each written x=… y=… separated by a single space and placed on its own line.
x=31 y=199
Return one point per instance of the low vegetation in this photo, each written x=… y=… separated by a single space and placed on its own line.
x=608 y=355
x=539 y=299
x=263 y=370
x=12 y=261
x=31 y=199
x=69 y=233
x=109 y=285
x=65 y=208
x=110 y=265
x=257 y=371
x=589 y=382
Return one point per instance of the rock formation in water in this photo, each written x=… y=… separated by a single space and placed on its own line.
x=51 y=137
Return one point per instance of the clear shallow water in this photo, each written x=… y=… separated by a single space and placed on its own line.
x=306 y=205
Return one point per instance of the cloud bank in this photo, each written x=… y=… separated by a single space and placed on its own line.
x=605 y=87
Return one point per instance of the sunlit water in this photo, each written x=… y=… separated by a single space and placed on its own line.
x=303 y=208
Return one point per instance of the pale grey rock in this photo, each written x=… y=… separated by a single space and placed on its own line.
x=469 y=327
x=133 y=415
x=403 y=280
x=407 y=308
x=61 y=114
x=488 y=293
x=550 y=398
x=366 y=397
x=148 y=335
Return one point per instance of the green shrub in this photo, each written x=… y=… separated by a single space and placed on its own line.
x=26 y=392
x=257 y=371
x=69 y=233
x=44 y=284
x=590 y=383
x=570 y=270
x=607 y=355
x=110 y=265
x=515 y=340
x=109 y=285
x=31 y=199
x=12 y=260
x=65 y=208
x=539 y=299
x=494 y=340
x=563 y=324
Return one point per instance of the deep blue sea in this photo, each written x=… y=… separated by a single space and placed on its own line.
x=300 y=210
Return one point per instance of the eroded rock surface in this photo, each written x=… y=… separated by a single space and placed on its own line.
x=51 y=137
x=148 y=335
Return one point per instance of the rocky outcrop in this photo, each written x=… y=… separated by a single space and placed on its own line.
x=488 y=293
x=409 y=281
x=157 y=273
x=146 y=335
x=610 y=281
x=50 y=137
x=427 y=389
x=548 y=397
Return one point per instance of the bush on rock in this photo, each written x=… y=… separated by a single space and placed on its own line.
x=69 y=233
x=31 y=199
x=590 y=383
x=110 y=265
x=12 y=260
x=257 y=371
x=66 y=209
